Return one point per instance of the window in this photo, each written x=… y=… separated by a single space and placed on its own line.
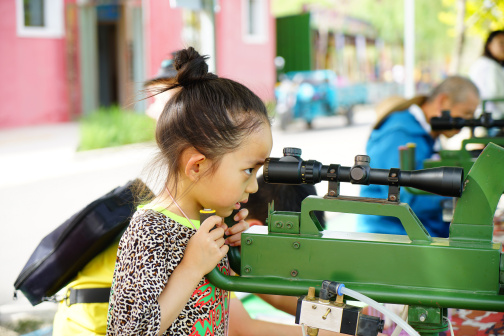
x=39 y=18
x=255 y=21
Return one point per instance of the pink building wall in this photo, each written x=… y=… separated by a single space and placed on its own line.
x=33 y=89
x=163 y=33
x=251 y=64
x=40 y=77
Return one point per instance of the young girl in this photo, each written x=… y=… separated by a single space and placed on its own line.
x=213 y=136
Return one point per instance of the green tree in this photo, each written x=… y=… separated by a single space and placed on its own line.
x=481 y=16
x=432 y=41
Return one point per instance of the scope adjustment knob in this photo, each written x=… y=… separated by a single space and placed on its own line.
x=362 y=160
x=292 y=151
x=358 y=173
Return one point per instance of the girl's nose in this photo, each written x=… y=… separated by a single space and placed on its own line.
x=252 y=187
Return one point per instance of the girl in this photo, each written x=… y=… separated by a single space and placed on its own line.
x=213 y=136
x=487 y=73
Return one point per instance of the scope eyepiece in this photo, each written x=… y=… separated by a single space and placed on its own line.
x=291 y=169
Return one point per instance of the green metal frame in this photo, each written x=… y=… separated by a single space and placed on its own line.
x=461 y=158
x=465 y=270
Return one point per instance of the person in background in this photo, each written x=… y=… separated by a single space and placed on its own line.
x=155 y=88
x=487 y=73
x=401 y=121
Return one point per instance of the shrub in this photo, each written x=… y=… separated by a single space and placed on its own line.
x=111 y=127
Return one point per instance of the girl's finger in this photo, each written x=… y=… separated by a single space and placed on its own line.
x=224 y=249
x=234 y=240
x=242 y=214
x=220 y=242
x=222 y=225
x=209 y=223
x=237 y=228
x=216 y=233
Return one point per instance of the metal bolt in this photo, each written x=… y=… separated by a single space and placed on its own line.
x=296 y=245
x=422 y=318
x=326 y=313
x=332 y=171
x=314 y=306
x=393 y=197
x=294 y=273
x=289 y=225
x=249 y=241
x=393 y=175
x=247 y=269
x=279 y=224
x=332 y=193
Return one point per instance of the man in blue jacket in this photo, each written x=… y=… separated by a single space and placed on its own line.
x=401 y=121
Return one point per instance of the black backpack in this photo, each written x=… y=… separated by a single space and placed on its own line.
x=67 y=249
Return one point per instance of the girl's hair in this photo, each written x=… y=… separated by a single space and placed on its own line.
x=213 y=115
x=486 y=50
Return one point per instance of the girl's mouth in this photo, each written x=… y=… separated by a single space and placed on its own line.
x=237 y=205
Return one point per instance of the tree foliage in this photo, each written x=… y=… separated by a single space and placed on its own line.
x=482 y=16
x=435 y=21
x=432 y=40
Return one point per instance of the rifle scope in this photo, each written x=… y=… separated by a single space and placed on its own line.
x=291 y=169
x=446 y=122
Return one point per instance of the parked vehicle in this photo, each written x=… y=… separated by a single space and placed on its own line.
x=310 y=94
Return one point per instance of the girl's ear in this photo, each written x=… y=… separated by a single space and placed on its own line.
x=193 y=162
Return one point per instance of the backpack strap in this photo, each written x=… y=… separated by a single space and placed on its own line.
x=87 y=295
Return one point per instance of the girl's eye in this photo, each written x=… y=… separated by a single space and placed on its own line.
x=249 y=171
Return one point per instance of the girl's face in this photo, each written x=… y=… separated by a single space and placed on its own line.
x=236 y=176
x=496 y=47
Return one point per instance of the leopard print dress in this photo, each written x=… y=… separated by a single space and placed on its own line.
x=150 y=249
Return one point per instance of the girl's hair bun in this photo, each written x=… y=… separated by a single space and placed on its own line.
x=191 y=66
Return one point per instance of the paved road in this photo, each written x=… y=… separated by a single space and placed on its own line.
x=44 y=181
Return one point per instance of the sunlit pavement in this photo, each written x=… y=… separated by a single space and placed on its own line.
x=44 y=181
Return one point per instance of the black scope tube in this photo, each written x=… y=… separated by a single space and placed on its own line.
x=446 y=122
x=444 y=181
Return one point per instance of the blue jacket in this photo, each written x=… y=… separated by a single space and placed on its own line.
x=399 y=129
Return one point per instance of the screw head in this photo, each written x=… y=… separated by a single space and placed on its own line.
x=296 y=245
x=422 y=318
x=249 y=241
x=247 y=269
x=279 y=224
x=294 y=273
x=289 y=225
x=393 y=197
x=314 y=306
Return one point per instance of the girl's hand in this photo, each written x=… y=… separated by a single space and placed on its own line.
x=234 y=232
x=206 y=248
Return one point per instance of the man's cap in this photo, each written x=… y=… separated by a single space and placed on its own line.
x=166 y=71
x=394 y=104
